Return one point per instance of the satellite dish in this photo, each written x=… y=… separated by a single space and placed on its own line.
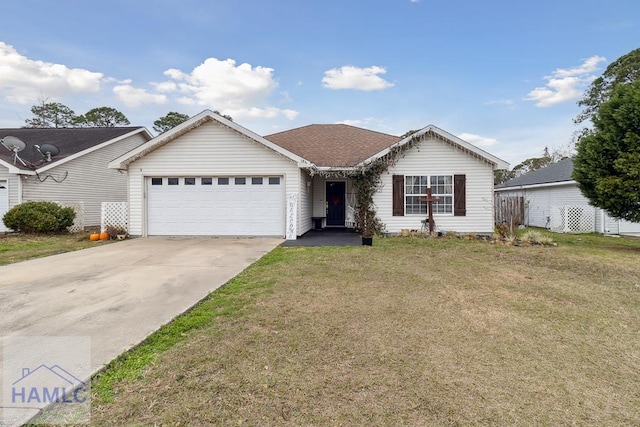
x=47 y=150
x=12 y=143
x=15 y=145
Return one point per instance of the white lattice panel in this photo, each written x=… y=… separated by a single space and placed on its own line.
x=78 y=221
x=114 y=214
x=573 y=219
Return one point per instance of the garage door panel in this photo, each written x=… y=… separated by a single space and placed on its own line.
x=223 y=210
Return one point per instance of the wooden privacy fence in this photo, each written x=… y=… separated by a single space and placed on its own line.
x=509 y=210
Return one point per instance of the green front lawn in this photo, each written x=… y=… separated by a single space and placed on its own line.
x=21 y=247
x=407 y=332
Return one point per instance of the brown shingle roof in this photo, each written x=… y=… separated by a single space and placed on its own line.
x=333 y=145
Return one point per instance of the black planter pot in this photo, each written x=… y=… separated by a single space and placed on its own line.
x=367 y=241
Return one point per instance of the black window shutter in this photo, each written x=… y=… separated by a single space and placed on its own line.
x=459 y=195
x=398 y=195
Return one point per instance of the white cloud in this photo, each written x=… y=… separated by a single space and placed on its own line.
x=240 y=90
x=237 y=90
x=477 y=140
x=165 y=86
x=350 y=77
x=23 y=80
x=349 y=122
x=373 y=123
x=261 y=113
x=134 y=97
x=505 y=102
x=565 y=85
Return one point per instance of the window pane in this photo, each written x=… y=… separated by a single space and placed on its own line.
x=415 y=190
x=206 y=181
x=274 y=180
x=414 y=205
x=189 y=181
x=416 y=184
x=256 y=181
x=241 y=181
x=156 y=181
x=442 y=184
x=223 y=181
x=444 y=206
x=172 y=181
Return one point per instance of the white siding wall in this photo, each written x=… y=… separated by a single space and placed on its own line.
x=612 y=226
x=319 y=189
x=12 y=183
x=433 y=157
x=305 y=205
x=209 y=150
x=87 y=180
x=540 y=200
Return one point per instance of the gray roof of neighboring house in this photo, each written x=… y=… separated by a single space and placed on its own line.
x=68 y=140
x=556 y=172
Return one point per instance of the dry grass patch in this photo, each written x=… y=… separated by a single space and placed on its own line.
x=21 y=247
x=408 y=332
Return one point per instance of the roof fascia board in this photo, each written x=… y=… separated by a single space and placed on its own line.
x=94 y=148
x=534 y=186
x=10 y=167
x=123 y=161
x=497 y=162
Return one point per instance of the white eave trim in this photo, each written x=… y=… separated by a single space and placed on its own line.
x=123 y=161
x=94 y=148
x=533 y=186
x=11 y=168
x=490 y=158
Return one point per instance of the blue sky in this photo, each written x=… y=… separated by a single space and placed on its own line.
x=503 y=75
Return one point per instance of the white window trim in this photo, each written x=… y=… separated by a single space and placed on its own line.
x=433 y=195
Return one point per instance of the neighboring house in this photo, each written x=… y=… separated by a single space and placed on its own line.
x=77 y=175
x=553 y=200
x=210 y=176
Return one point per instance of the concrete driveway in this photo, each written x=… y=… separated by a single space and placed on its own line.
x=118 y=294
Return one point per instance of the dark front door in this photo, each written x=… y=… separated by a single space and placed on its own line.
x=335 y=203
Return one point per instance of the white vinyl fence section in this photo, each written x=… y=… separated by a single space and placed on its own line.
x=114 y=214
x=573 y=219
x=78 y=222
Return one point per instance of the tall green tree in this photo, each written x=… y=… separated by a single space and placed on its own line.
x=171 y=120
x=102 y=117
x=625 y=69
x=533 y=163
x=51 y=115
x=607 y=164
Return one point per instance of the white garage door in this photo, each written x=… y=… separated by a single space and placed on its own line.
x=4 y=203
x=215 y=206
